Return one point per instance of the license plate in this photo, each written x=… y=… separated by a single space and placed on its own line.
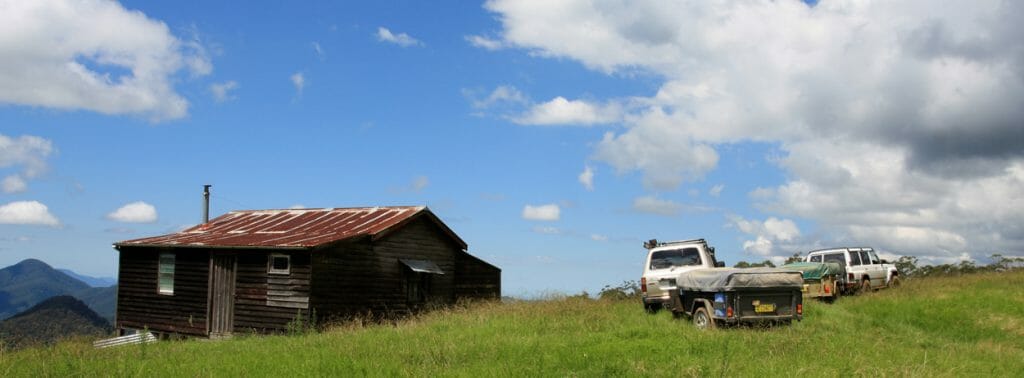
x=765 y=307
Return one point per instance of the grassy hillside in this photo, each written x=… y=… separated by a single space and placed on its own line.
x=54 y=319
x=971 y=325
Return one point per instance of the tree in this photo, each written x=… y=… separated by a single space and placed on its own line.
x=795 y=258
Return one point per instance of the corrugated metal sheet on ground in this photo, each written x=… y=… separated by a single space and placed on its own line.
x=291 y=228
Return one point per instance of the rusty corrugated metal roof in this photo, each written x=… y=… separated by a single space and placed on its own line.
x=292 y=228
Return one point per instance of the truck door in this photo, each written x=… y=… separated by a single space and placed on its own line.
x=877 y=270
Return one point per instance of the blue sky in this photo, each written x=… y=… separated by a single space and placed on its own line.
x=553 y=138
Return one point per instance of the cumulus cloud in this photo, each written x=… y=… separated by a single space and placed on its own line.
x=299 y=81
x=772 y=237
x=222 y=91
x=27 y=155
x=135 y=212
x=900 y=120
x=27 y=213
x=560 y=111
x=548 y=213
x=94 y=55
x=586 y=178
x=401 y=39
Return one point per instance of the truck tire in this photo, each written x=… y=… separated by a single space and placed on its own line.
x=894 y=282
x=652 y=308
x=702 y=319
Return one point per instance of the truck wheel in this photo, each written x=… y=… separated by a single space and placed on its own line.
x=894 y=282
x=652 y=308
x=702 y=319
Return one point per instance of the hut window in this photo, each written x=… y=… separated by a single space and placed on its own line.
x=165 y=274
x=280 y=264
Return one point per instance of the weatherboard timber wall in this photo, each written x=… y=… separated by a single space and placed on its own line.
x=343 y=280
x=267 y=302
x=476 y=279
x=140 y=306
x=419 y=239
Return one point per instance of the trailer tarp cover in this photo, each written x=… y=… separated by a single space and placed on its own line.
x=716 y=279
x=814 y=271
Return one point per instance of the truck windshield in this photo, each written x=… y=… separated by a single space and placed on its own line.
x=675 y=257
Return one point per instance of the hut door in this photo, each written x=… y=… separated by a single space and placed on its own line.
x=222 y=294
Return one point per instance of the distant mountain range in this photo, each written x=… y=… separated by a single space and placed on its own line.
x=31 y=281
x=91 y=281
x=51 y=320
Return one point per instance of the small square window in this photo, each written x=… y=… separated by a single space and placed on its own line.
x=280 y=264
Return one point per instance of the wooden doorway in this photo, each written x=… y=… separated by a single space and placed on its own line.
x=222 y=295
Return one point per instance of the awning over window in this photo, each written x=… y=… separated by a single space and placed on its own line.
x=422 y=266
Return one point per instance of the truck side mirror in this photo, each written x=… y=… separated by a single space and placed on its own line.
x=884 y=261
x=720 y=264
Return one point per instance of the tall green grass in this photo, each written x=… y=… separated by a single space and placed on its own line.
x=970 y=325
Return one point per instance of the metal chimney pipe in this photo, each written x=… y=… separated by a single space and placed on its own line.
x=206 y=204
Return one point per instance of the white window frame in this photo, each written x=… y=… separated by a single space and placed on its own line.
x=270 y=264
x=165 y=270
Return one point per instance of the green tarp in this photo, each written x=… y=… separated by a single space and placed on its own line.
x=813 y=271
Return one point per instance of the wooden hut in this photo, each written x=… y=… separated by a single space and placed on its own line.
x=260 y=270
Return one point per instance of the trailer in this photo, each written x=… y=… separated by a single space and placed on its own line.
x=729 y=296
x=821 y=280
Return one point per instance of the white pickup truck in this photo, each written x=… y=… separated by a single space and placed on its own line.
x=862 y=269
x=665 y=260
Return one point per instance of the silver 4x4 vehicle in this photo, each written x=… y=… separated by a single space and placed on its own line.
x=862 y=268
x=665 y=260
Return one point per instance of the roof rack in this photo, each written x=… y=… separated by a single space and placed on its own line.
x=654 y=243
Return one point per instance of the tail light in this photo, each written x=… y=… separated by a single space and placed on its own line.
x=728 y=312
x=828 y=290
x=799 y=308
x=643 y=285
x=850 y=278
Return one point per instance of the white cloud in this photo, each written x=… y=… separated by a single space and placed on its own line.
x=27 y=154
x=549 y=212
x=716 y=190
x=587 y=178
x=656 y=206
x=135 y=212
x=484 y=42
x=94 y=55
x=772 y=237
x=900 y=119
x=598 y=237
x=27 y=213
x=299 y=81
x=13 y=184
x=222 y=91
x=502 y=94
x=560 y=111
x=401 y=39
x=297 y=206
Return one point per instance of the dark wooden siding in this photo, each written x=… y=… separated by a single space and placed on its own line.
x=140 y=306
x=476 y=279
x=365 y=276
x=343 y=281
x=268 y=302
x=420 y=239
